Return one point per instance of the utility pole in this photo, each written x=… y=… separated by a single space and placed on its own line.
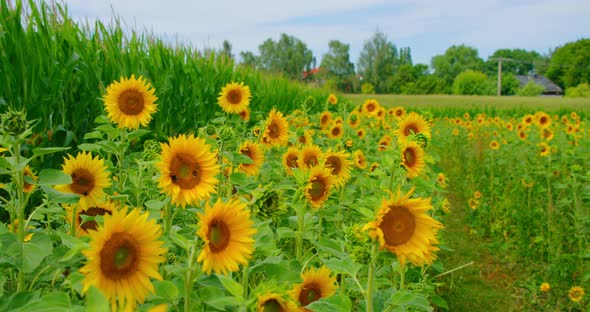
x=500 y=59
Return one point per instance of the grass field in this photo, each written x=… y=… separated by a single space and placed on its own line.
x=462 y=103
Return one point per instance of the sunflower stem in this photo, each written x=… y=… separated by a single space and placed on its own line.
x=20 y=215
x=73 y=221
x=245 y=281
x=300 y=229
x=370 y=278
x=188 y=283
x=120 y=156
x=402 y=276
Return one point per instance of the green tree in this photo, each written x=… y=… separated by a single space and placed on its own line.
x=249 y=59
x=521 y=61
x=336 y=67
x=378 y=62
x=472 y=82
x=531 y=89
x=582 y=90
x=457 y=59
x=226 y=49
x=570 y=64
x=288 y=55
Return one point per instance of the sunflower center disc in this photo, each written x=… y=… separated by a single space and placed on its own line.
x=309 y=294
x=398 y=226
x=131 y=102
x=311 y=161
x=218 y=235
x=317 y=190
x=185 y=171
x=92 y=211
x=335 y=131
x=273 y=130
x=272 y=305
x=411 y=128
x=234 y=97
x=247 y=152
x=410 y=157
x=292 y=161
x=119 y=256
x=370 y=107
x=82 y=182
x=333 y=162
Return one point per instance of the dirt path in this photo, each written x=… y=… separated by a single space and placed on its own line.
x=487 y=284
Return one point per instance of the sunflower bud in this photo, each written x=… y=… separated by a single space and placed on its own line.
x=151 y=150
x=210 y=130
x=226 y=133
x=14 y=123
x=421 y=139
x=269 y=205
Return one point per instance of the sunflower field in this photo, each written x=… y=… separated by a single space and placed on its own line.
x=143 y=178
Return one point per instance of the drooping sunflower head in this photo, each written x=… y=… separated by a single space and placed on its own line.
x=234 y=98
x=310 y=156
x=412 y=157
x=318 y=187
x=494 y=145
x=124 y=254
x=410 y=124
x=130 y=102
x=335 y=131
x=85 y=224
x=255 y=152
x=339 y=165
x=403 y=227
x=291 y=159
x=89 y=178
x=317 y=284
x=227 y=230
x=332 y=99
x=576 y=294
x=28 y=172
x=325 y=119
x=276 y=129
x=273 y=302
x=187 y=170
x=360 y=160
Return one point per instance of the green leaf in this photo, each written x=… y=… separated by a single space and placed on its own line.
x=56 y=302
x=38 y=151
x=53 y=177
x=238 y=178
x=242 y=159
x=439 y=302
x=108 y=130
x=56 y=196
x=285 y=232
x=330 y=304
x=220 y=303
x=166 y=289
x=35 y=251
x=89 y=147
x=108 y=146
x=96 y=301
x=135 y=134
x=100 y=120
x=233 y=287
x=178 y=239
x=407 y=298
x=93 y=135
x=345 y=265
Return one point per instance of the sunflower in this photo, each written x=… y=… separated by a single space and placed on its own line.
x=276 y=129
x=325 y=119
x=306 y=137
x=373 y=166
x=227 y=230
x=494 y=145
x=477 y=194
x=547 y=134
x=412 y=123
x=130 y=102
x=317 y=284
x=253 y=151
x=359 y=159
x=522 y=135
x=399 y=112
x=85 y=226
x=291 y=159
x=318 y=187
x=384 y=143
x=353 y=119
x=332 y=99
x=360 y=133
x=274 y=302
x=545 y=287
x=412 y=156
x=543 y=119
x=455 y=132
x=234 y=98
x=89 y=178
x=187 y=170
x=335 y=131
x=527 y=120
x=245 y=115
x=509 y=126
x=310 y=156
x=124 y=254
x=403 y=227
x=576 y=294
x=441 y=179
x=371 y=107
x=544 y=149
x=339 y=166
x=28 y=172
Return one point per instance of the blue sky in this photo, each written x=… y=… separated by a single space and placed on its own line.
x=428 y=27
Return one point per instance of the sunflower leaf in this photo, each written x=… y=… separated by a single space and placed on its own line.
x=332 y=303
x=135 y=134
x=35 y=251
x=53 y=177
x=48 y=150
x=59 y=197
x=96 y=301
x=233 y=287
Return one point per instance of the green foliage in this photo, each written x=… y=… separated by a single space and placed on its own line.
x=522 y=62
x=472 y=82
x=456 y=60
x=570 y=64
x=581 y=90
x=336 y=68
x=367 y=88
x=531 y=89
x=288 y=55
x=510 y=84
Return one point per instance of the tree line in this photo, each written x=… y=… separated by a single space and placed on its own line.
x=382 y=67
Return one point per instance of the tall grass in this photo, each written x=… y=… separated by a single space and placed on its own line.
x=57 y=70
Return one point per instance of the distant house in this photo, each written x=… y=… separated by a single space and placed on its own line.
x=550 y=87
